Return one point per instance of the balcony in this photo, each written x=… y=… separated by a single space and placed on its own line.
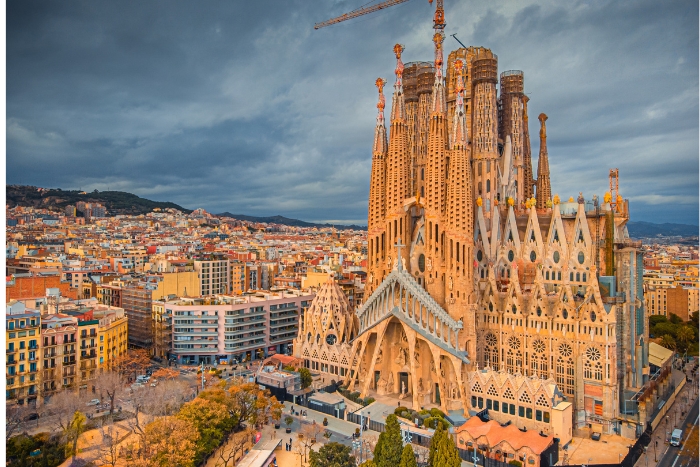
x=287 y=330
x=70 y=361
x=88 y=347
x=283 y=338
x=50 y=354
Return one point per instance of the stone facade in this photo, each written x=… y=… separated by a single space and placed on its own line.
x=490 y=276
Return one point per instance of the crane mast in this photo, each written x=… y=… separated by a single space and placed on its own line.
x=358 y=12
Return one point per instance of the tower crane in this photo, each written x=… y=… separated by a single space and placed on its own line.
x=363 y=10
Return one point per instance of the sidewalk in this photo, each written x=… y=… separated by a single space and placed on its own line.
x=674 y=418
x=342 y=427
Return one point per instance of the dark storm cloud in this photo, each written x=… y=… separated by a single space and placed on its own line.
x=242 y=106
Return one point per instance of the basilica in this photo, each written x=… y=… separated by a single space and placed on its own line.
x=484 y=289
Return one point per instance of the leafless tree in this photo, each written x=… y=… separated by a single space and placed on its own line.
x=422 y=452
x=310 y=434
x=62 y=408
x=110 y=383
x=234 y=447
x=108 y=448
x=151 y=402
x=14 y=419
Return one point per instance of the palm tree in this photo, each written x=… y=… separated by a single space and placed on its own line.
x=668 y=341
x=685 y=335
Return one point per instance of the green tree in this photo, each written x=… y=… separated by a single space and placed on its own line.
x=387 y=452
x=306 y=378
x=332 y=455
x=443 y=452
x=368 y=463
x=76 y=427
x=211 y=420
x=668 y=341
x=694 y=319
x=675 y=319
x=685 y=335
x=656 y=319
x=664 y=328
x=408 y=458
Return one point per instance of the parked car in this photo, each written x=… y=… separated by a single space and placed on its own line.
x=595 y=436
x=136 y=386
x=93 y=402
x=31 y=416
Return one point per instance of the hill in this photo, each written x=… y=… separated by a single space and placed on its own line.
x=116 y=202
x=290 y=222
x=649 y=229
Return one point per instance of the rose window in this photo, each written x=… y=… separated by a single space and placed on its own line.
x=593 y=354
x=565 y=350
x=514 y=343
x=539 y=346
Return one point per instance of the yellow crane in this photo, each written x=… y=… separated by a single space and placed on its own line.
x=363 y=10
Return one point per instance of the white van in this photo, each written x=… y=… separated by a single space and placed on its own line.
x=676 y=437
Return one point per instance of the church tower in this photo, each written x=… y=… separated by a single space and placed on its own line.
x=511 y=124
x=544 y=188
x=527 y=182
x=435 y=185
x=485 y=128
x=377 y=191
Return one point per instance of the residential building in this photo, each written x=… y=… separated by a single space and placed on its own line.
x=23 y=334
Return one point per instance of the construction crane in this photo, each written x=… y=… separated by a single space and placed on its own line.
x=363 y=10
x=359 y=12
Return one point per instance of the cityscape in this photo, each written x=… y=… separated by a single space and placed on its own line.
x=497 y=299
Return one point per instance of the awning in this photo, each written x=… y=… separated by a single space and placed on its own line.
x=659 y=356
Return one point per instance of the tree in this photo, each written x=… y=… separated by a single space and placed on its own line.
x=368 y=463
x=14 y=419
x=212 y=422
x=675 y=319
x=664 y=328
x=132 y=363
x=684 y=335
x=668 y=341
x=408 y=458
x=387 y=452
x=108 y=448
x=165 y=373
x=332 y=455
x=110 y=383
x=169 y=442
x=76 y=427
x=656 y=319
x=309 y=435
x=250 y=404
x=443 y=452
x=234 y=447
x=306 y=378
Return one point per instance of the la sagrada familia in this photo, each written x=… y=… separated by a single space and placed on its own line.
x=481 y=285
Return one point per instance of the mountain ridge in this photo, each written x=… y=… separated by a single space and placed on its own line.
x=278 y=219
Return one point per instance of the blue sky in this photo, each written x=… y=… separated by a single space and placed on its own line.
x=244 y=107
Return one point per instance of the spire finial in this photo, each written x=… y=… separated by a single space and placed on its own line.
x=398 y=48
x=459 y=130
x=398 y=112
x=543 y=129
x=380 y=82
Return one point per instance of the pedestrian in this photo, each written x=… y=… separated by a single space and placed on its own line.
x=292 y=409
x=290 y=441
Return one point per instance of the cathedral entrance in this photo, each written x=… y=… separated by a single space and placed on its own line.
x=437 y=394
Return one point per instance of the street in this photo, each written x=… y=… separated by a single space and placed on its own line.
x=685 y=455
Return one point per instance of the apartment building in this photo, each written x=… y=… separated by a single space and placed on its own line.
x=214 y=275
x=59 y=335
x=244 y=327
x=112 y=332
x=22 y=332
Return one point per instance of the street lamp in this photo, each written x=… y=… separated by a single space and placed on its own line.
x=656 y=443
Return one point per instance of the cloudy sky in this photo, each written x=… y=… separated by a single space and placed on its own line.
x=242 y=106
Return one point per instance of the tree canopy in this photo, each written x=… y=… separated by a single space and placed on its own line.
x=332 y=455
x=443 y=452
x=387 y=452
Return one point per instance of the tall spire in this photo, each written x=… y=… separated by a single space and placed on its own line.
x=380 y=130
x=398 y=108
x=544 y=188
x=439 y=105
x=459 y=125
x=398 y=156
x=527 y=155
x=378 y=179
